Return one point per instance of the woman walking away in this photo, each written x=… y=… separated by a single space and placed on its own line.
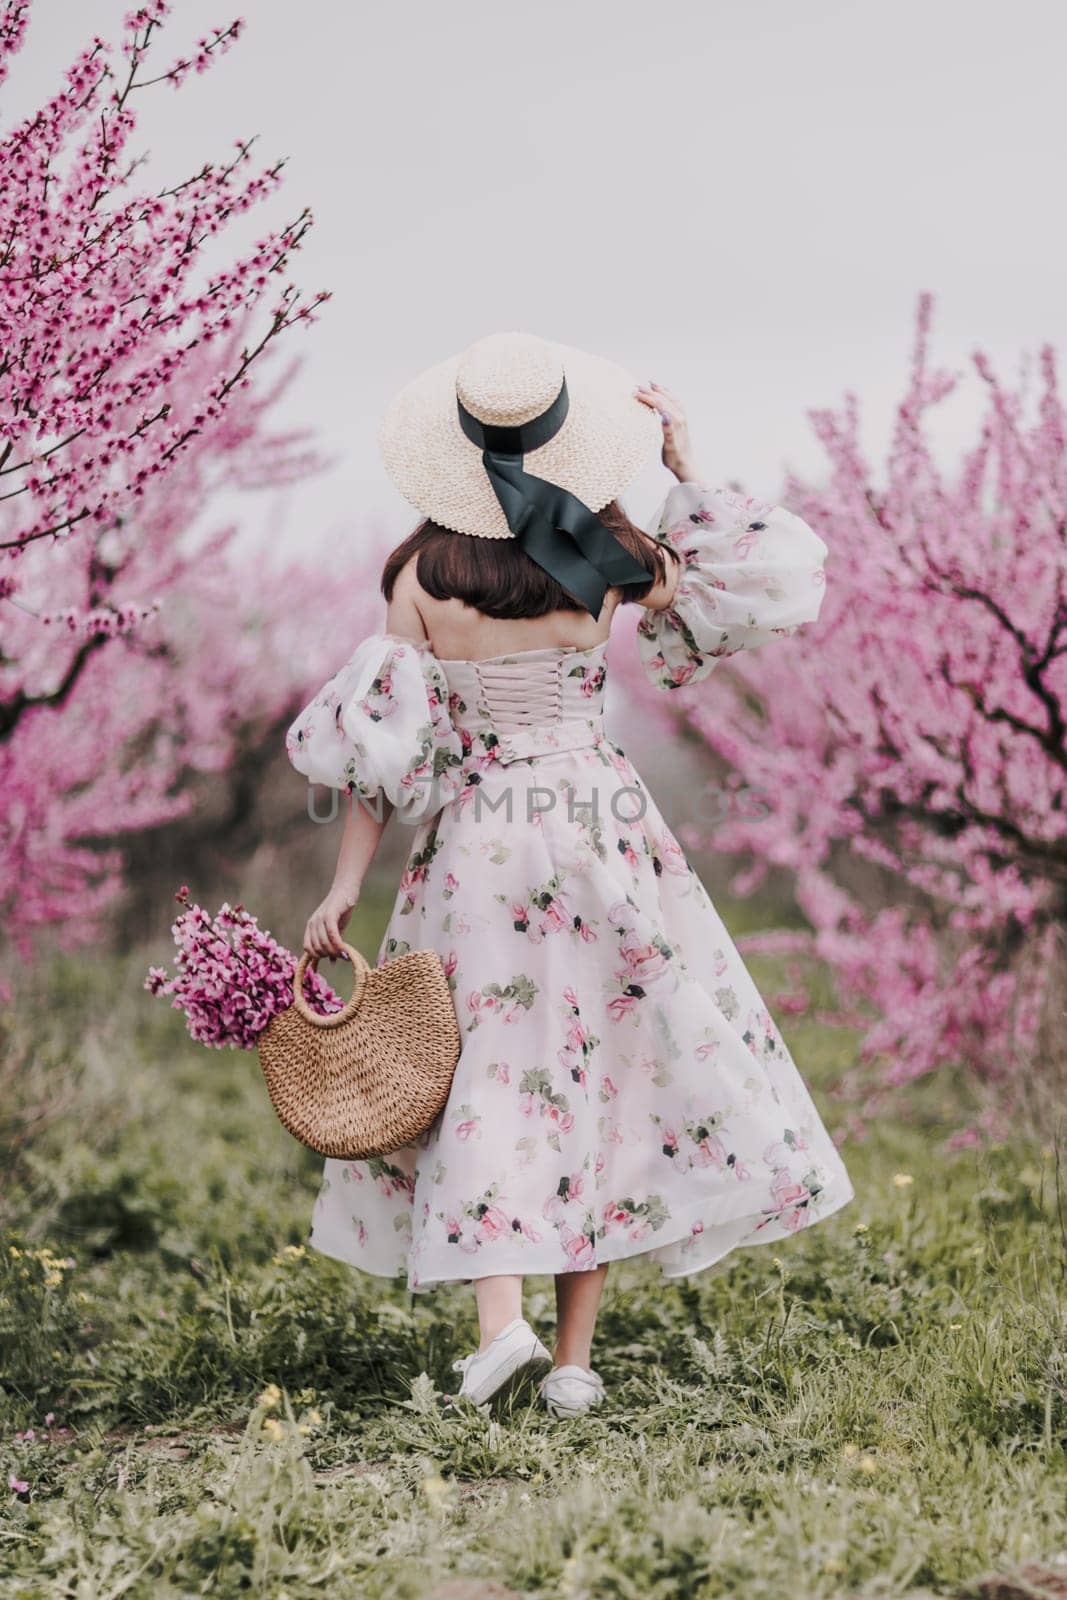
x=621 y=1088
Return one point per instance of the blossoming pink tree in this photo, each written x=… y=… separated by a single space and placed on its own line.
x=911 y=746
x=133 y=649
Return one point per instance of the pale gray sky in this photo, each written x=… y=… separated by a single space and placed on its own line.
x=739 y=198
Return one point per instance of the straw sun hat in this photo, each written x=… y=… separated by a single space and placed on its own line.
x=520 y=437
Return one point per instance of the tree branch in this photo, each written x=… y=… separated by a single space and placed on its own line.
x=11 y=711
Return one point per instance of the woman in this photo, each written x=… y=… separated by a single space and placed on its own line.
x=621 y=1088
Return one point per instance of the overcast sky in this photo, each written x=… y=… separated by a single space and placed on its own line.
x=739 y=198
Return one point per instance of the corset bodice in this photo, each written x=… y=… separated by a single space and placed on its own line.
x=531 y=702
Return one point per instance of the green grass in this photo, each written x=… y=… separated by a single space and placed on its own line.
x=878 y=1409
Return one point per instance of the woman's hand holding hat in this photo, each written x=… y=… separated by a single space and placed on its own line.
x=677 y=449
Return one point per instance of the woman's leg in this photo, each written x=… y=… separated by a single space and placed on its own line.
x=499 y=1302
x=577 y=1301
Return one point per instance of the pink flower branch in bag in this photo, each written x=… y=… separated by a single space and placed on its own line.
x=231 y=976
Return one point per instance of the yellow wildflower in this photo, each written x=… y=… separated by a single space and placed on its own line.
x=269 y=1398
x=292 y=1252
x=867 y=1464
x=849 y=1450
x=861 y=1227
x=436 y=1489
x=52 y=1262
x=901 y=1180
x=311 y=1420
x=273 y=1429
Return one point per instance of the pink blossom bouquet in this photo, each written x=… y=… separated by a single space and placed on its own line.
x=232 y=976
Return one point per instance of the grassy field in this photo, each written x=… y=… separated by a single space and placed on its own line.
x=197 y=1405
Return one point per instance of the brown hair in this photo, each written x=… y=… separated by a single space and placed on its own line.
x=498 y=578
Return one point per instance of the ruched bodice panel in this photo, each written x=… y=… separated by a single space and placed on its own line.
x=533 y=701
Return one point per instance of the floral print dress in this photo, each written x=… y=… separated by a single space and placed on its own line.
x=621 y=1088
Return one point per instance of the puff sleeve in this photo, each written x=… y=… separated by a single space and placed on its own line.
x=751 y=572
x=381 y=726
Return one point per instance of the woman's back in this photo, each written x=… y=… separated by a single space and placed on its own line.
x=459 y=632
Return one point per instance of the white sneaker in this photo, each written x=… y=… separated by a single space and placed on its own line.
x=515 y=1349
x=568 y=1391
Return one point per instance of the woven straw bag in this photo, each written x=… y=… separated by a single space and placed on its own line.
x=368 y=1079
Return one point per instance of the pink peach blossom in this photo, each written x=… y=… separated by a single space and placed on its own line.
x=231 y=976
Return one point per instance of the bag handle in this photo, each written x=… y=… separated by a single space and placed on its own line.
x=334 y=1019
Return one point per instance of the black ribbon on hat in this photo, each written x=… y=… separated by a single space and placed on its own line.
x=553 y=527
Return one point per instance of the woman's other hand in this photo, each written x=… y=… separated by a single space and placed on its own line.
x=324 y=933
x=677 y=447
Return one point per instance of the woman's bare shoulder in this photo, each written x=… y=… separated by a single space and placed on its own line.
x=408 y=604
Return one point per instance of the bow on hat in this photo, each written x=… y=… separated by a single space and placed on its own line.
x=553 y=527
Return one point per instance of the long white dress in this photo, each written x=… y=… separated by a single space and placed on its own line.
x=621 y=1088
